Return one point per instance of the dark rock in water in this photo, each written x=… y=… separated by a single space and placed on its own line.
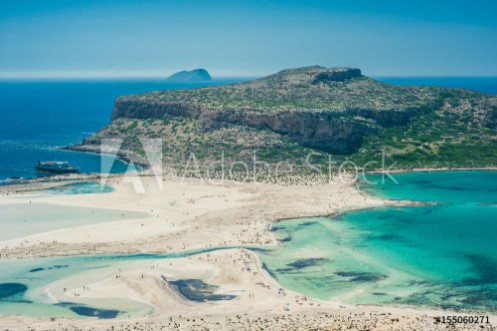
x=347 y=273
x=194 y=76
x=484 y=269
x=361 y=277
x=307 y=223
x=304 y=263
x=485 y=298
x=89 y=311
x=368 y=278
x=93 y=312
x=36 y=269
x=12 y=291
x=60 y=266
x=197 y=290
x=260 y=250
x=265 y=267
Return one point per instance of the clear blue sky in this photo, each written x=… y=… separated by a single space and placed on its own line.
x=232 y=38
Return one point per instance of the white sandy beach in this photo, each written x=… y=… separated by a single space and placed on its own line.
x=189 y=215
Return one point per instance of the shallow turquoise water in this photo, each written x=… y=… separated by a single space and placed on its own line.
x=23 y=284
x=460 y=187
x=81 y=188
x=441 y=255
x=25 y=219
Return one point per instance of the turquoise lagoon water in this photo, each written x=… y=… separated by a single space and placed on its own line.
x=23 y=285
x=459 y=187
x=439 y=255
x=81 y=188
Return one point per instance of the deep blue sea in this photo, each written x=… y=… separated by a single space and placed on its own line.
x=482 y=84
x=37 y=117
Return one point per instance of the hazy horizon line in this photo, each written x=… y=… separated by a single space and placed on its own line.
x=153 y=75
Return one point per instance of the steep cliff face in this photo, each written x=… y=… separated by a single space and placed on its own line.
x=490 y=117
x=333 y=130
x=335 y=110
x=145 y=109
x=329 y=132
x=336 y=76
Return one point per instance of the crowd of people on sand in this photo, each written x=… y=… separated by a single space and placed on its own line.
x=242 y=237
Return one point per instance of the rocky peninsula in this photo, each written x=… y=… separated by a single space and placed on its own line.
x=337 y=112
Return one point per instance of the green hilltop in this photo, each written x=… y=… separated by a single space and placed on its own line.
x=337 y=113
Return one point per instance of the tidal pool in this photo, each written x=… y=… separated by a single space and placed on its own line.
x=25 y=219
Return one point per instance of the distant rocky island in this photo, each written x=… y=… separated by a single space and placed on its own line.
x=193 y=76
x=336 y=112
